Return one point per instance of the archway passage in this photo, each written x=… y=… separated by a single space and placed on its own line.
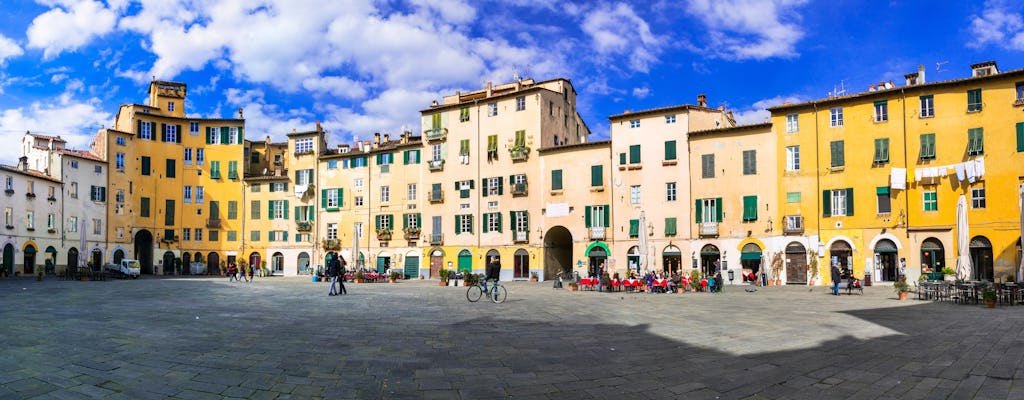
x=436 y=262
x=672 y=259
x=254 y=261
x=302 y=261
x=213 y=263
x=169 y=267
x=144 y=251
x=73 y=260
x=932 y=255
x=981 y=259
x=796 y=263
x=50 y=260
x=521 y=264
x=886 y=255
x=29 y=260
x=186 y=263
x=750 y=262
x=710 y=258
x=96 y=259
x=277 y=263
x=8 y=260
x=596 y=257
x=842 y=255
x=557 y=251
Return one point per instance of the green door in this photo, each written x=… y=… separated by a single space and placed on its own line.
x=382 y=265
x=9 y=260
x=412 y=267
x=465 y=261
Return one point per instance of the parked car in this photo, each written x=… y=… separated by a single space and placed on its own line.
x=128 y=268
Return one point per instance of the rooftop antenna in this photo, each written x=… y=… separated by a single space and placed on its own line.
x=526 y=71
x=515 y=73
x=838 y=90
x=938 y=67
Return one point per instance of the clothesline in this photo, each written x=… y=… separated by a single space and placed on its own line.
x=971 y=171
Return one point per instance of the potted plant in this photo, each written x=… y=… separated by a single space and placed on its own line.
x=39 y=275
x=777 y=264
x=263 y=268
x=223 y=267
x=694 y=280
x=812 y=265
x=572 y=286
x=901 y=287
x=533 y=276
x=395 y=276
x=988 y=293
x=444 y=274
x=948 y=274
x=472 y=279
x=358 y=277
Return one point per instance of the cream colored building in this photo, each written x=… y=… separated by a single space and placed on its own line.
x=650 y=151
x=31 y=235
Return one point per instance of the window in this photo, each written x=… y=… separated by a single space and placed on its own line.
x=50 y=221
x=278 y=208
x=492 y=147
x=214 y=169
x=1020 y=137
x=596 y=216
x=749 y=162
x=119 y=161
x=884 y=201
x=927 y=106
x=120 y=142
x=634 y=154
x=193 y=128
x=144 y=207
x=233 y=134
x=670 y=191
x=410 y=192
x=303 y=145
x=98 y=193
x=72 y=222
x=931 y=200
x=670 y=119
x=634 y=123
x=145 y=165
x=358 y=201
x=836 y=117
x=707 y=165
x=171 y=133
x=520 y=103
x=412 y=221
x=74 y=164
x=278 y=186
x=634 y=194
x=255 y=188
x=199 y=195
x=214 y=236
x=881 y=151
x=332 y=231
x=9 y=183
x=232 y=209
x=73 y=192
x=596 y=176
x=793 y=197
x=200 y=156
x=358 y=184
x=492 y=186
x=556 y=179
x=411 y=157
x=97 y=226
x=974 y=100
x=792 y=123
x=9 y=217
x=254 y=236
x=838 y=156
x=927 y=146
x=881 y=111
x=188 y=194
x=97 y=169
x=975 y=141
x=670 y=226
x=212 y=136
x=464 y=114
x=793 y=158
x=303 y=177
x=331 y=199
x=332 y=164
x=463 y=187
x=749 y=208
x=463 y=223
x=385 y=194
x=31 y=187
x=199 y=234
x=145 y=130
x=170 y=165
x=670 y=150
x=708 y=210
x=188 y=156
x=839 y=203
x=978 y=197
x=492 y=222
x=520 y=221
x=254 y=209
x=170 y=106
x=435 y=152
x=492 y=109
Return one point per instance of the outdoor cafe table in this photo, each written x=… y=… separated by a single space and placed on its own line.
x=630 y=284
x=662 y=284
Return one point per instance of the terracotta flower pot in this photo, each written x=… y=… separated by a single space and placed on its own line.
x=442 y=283
x=391 y=280
x=533 y=279
x=771 y=282
x=571 y=288
x=680 y=290
x=990 y=303
x=903 y=296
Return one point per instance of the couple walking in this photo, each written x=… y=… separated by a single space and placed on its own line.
x=336 y=270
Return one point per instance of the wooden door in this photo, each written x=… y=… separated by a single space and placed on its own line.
x=796 y=268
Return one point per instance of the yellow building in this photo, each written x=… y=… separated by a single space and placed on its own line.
x=266 y=180
x=876 y=176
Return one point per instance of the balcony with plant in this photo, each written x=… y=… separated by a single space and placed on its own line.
x=331 y=244
x=435 y=133
x=304 y=226
x=435 y=165
x=519 y=153
x=384 y=234
x=411 y=233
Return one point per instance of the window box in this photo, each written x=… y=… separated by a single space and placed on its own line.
x=436 y=238
x=520 y=153
x=304 y=226
x=597 y=189
x=435 y=134
x=412 y=233
x=633 y=167
x=9 y=226
x=384 y=235
x=597 y=233
x=213 y=223
x=669 y=162
x=557 y=192
x=51 y=230
x=436 y=196
x=304 y=152
x=331 y=244
x=521 y=237
x=435 y=165
x=30 y=229
x=30 y=195
x=708 y=229
x=519 y=189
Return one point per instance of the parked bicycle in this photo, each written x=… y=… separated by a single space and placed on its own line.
x=496 y=292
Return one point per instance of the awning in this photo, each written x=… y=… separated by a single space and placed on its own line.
x=750 y=256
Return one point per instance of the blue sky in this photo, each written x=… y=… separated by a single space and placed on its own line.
x=364 y=66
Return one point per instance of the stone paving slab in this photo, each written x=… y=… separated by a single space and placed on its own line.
x=283 y=338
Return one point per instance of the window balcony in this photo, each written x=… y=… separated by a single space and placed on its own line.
x=436 y=196
x=435 y=165
x=384 y=235
x=597 y=233
x=434 y=134
x=436 y=238
x=213 y=223
x=708 y=229
x=9 y=191
x=519 y=153
x=519 y=189
x=169 y=239
x=331 y=244
x=521 y=236
x=794 y=225
x=303 y=226
x=412 y=233
x=30 y=195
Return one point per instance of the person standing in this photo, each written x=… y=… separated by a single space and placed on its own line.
x=332 y=273
x=836 y=276
x=340 y=265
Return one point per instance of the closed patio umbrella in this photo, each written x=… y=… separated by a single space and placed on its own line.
x=1020 y=202
x=963 y=258
x=642 y=242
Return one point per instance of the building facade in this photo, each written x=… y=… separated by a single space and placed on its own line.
x=31 y=235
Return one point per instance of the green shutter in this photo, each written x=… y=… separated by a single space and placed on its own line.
x=670 y=150
x=483 y=186
x=341 y=197
x=556 y=179
x=634 y=154
x=622 y=158
x=520 y=139
x=405 y=221
x=486 y=220
x=838 y=160
x=634 y=228
x=224 y=135
x=458 y=224
x=1020 y=137
x=470 y=224
x=405 y=157
x=719 y=206
x=286 y=209
x=376 y=220
x=849 y=202
x=607 y=215
x=297 y=214
x=270 y=209
x=163 y=132
x=749 y=208
x=927 y=146
x=670 y=226
x=435 y=121
x=323 y=198
x=586 y=216
x=596 y=175
x=177 y=138
x=241 y=135
x=698 y=211
x=881 y=151
x=826 y=203
x=975 y=141
x=882 y=190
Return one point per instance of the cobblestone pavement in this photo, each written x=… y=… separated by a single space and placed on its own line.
x=285 y=338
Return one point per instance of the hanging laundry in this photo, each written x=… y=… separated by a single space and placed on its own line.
x=898 y=179
x=944 y=171
x=979 y=167
x=972 y=174
x=917 y=175
x=960 y=174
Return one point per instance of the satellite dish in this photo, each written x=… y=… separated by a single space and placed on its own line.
x=264 y=170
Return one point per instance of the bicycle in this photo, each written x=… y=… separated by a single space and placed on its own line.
x=497 y=292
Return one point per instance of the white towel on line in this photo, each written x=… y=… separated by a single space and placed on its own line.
x=971 y=172
x=979 y=167
x=898 y=179
x=960 y=173
x=917 y=175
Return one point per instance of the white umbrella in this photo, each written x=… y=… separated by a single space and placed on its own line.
x=963 y=258
x=1020 y=201
x=355 y=247
x=642 y=242
x=82 y=254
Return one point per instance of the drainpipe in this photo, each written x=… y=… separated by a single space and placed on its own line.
x=906 y=163
x=817 y=179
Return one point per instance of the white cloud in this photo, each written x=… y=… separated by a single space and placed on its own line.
x=997 y=25
x=617 y=30
x=70 y=26
x=641 y=93
x=749 y=29
x=8 y=49
x=73 y=119
x=758 y=113
x=452 y=11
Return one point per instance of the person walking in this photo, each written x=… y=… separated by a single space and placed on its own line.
x=332 y=273
x=340 y=264
x=836 y=276
x=249 y=271
x=232 y=272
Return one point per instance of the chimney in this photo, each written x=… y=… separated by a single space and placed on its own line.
x=376 y=139
x=702 y=100
x=23 y=164
x=240 y=113
x=871 y=88
x=489 y=89
x=386 y=138
x=318 y=127
x=920 y=74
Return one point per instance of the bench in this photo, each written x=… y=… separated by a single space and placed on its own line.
x=856 y=285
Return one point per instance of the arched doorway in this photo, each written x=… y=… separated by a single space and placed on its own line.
x=96 y=259
x=383 y=263
x=168 y=263
x=932 y=255
x=186 y=263
x=521 y=264
x=29 y=260
x=672 y=259
x=493 y=254
x=981 y=259
x=750 y=263
x=255 y=261
x=710 y=259
x=632 y=261
x=277 y=263
x=557 y=251
x=303 y=263
x=73 y=260
x=144 y=250
x=50 y=260
x=842 y=254
x=886 y=261
x=8 y=265
x=119 y=255
x=597 y=254
x=412 y=265
x=436 y=262
x=213 y=263
x=465 y=261
x=796 y=263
